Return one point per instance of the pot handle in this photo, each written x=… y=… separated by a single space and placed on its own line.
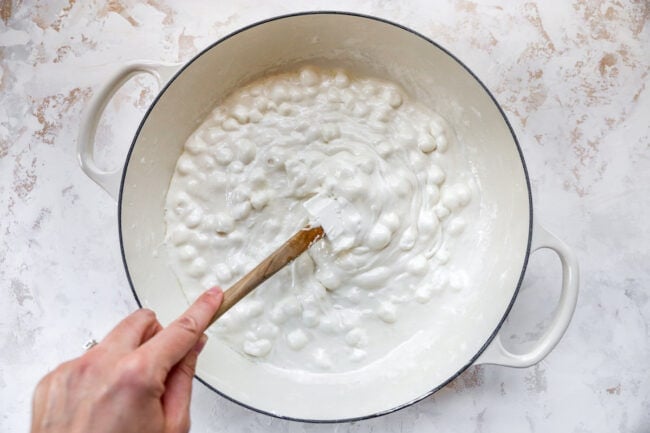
x=497 y=354
x=110 y=180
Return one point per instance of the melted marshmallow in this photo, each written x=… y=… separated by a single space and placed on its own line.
x=238 y=193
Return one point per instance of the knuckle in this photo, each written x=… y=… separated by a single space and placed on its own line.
x=189 y=324
x=83 y=365
x=44 y=383
x=147 y=313
x=186 y=370
x=133 y=372
x=63 y=374
x=64 y=369
x=188 y=367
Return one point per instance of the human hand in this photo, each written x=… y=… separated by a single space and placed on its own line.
x=138 y=379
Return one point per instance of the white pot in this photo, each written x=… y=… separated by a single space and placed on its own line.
x=365 y=45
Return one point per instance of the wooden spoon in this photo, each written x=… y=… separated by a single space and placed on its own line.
x=291 y=249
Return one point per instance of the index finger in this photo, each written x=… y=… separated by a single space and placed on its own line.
x=171 y=344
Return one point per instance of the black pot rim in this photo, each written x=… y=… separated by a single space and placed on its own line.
x=505 y=118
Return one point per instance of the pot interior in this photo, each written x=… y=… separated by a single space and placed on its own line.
x=494 y=253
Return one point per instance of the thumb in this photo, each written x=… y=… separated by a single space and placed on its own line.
x=178 y=390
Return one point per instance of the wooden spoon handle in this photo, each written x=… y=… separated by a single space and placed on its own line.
x=291 y=249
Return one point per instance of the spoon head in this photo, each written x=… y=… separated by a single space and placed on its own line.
x=338 y=217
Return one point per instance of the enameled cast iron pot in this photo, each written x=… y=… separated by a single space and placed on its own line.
x=427 y=72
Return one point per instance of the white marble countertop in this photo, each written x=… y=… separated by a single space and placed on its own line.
x=573 y=79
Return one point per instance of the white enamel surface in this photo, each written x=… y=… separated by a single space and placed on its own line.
x=571 y=77
x=359 y=155
x=498 y=354
x=110 y=180
x=426 y=74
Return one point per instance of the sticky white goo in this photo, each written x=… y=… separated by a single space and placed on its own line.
x=239 y=191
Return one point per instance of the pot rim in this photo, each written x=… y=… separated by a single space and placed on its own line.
x=503 y=115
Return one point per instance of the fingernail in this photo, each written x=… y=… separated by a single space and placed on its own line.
x=201 y=344
x=215 y=290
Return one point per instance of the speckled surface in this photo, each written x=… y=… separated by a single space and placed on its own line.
x=572 y=76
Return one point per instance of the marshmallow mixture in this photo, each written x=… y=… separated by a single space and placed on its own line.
x=238 y=193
